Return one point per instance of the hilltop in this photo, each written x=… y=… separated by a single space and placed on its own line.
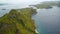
x=18 y=21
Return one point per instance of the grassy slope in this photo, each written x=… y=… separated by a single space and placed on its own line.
x=18 y=22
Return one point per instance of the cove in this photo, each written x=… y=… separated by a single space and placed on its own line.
x=47 y=21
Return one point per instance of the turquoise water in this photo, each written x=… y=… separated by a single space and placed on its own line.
x=47 y=21
x=38 y=24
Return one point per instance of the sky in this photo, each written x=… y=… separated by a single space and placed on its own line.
x=23 y=1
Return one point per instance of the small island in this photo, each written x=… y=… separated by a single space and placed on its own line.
x=18 y=21
x=58 y=4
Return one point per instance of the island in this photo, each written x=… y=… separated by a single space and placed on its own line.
x=58 y=4
x=47 y=4
x=18 y=21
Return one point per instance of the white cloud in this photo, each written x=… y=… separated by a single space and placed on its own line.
x=22 y=1
x=15 y=1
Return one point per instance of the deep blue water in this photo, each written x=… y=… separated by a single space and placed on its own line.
x=47 y=21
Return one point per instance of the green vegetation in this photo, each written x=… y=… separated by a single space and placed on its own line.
x=18 y=21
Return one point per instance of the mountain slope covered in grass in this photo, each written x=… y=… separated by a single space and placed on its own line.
x=18 y=21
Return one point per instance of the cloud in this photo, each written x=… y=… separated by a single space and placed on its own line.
x=15 y=1
x=22 y=1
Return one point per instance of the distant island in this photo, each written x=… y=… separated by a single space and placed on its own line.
x=18 y=21
x=47 y=4
x=1 y=4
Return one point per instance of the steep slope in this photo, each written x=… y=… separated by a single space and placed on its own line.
x=18 y=21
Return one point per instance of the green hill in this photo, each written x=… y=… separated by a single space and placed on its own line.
x=18 y=21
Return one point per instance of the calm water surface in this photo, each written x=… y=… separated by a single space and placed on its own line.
x=48 y=21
